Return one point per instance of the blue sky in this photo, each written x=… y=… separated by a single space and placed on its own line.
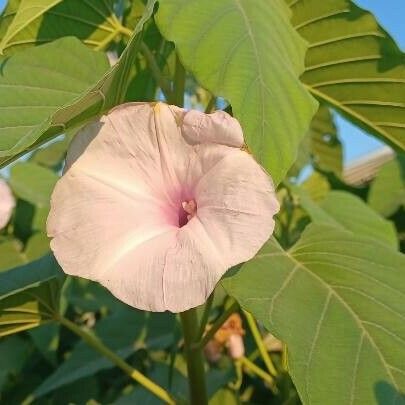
x=391 y=14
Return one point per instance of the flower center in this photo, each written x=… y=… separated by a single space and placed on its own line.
x=187 y=211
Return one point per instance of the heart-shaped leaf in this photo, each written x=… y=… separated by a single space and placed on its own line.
x=337 y=300
x=248 y=53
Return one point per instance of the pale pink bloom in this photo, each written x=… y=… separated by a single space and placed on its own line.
x=157 y=203
x=235 y=346
x=7 y=203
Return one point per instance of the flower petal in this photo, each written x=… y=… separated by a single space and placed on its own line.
x=235 y=207
x=115 y=212
x=218 y=127
x=236 y=204
x=112 y=201
x=7 y=203
x=193 y=267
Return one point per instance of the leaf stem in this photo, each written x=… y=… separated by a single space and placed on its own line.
x=210 y=105
x=124 y=30
x=98 y=345
x=218 y=323
x=259 y=342
x=157 y=74
x=194 y=356
x=258 y=371
x=179 y=80
x=205 y=315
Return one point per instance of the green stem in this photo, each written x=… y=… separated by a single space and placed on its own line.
x=210 y=105
x=259 y=342
x=157 y=74
x=180 y=81
x=205 y=315
x=218 y=323
x=194 y=356
x=98 y=345
x=258 y=371
x=125 y=31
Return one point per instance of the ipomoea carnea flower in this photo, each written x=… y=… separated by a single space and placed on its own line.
x=7 y=203
x=157 y=203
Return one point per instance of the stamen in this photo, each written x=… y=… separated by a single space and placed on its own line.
x=189 y=211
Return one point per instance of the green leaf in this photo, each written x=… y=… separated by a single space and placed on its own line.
x=317 y=186
x=248 y=53
x=52 y=155
x=10 y=255
x=353 y=65
x=74 y=69
x=29 y=275
x=27 y=12
x=33 y=183
x=36 y=83
x=37 y=246
x=159 y=375
x=348 y=212
x=177 y=384
x=123 y=332
x=30 y=308
x=387 y=191
x=46 y=340
x=14 y=351
x=326 y=148
x=92 y=21
x=321 y=146
x=337 y=300
x=29 y=219
x=29 y=295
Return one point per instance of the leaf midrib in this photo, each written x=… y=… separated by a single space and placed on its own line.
x=338 y=105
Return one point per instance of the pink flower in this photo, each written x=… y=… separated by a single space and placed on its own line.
x=7 y=204
x=157 y=203
x=236 y=347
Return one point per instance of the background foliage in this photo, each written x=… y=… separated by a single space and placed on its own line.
x=330 y=284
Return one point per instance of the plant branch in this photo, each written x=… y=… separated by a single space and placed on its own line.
x=210 y=105
x=179 y=80
x=205 y=315
x=258 y=371
x=157 y=74
x=194 y=356
x=259 y=342
x=98 y=345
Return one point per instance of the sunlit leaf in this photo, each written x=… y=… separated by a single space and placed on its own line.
x=26 y=13
x=353 y=65
x=36 y=83
x=321 y=146
x=80 y=91
x=52 y=155
x=36 y=246
x=33 y=183
x=92 y=21
x=10 y=254
x=348 y=212
x=248 y=53
x=387 y=191
x=337 y=300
